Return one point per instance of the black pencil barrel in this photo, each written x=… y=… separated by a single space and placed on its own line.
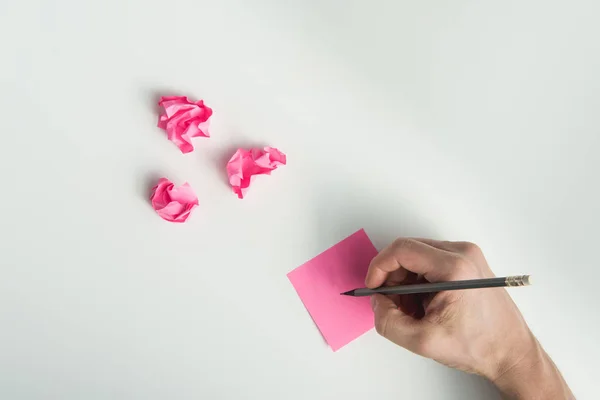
x=520 y=280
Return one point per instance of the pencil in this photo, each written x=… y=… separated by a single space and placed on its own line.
x=519 y=280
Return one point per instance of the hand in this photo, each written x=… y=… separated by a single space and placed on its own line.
x=478 y=330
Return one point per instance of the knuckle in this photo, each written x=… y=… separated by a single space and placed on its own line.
x=470 y=249
x=404 y=243
x=460 y=267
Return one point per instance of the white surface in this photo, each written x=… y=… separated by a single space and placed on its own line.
x=458 y=120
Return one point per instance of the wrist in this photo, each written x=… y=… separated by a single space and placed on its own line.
x=512 y=373
x=532 y=376
x=519 y=355
x=512 y=353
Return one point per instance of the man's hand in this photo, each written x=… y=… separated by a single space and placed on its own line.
x=478 y=330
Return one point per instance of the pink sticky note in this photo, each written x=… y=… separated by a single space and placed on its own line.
x=320 y=281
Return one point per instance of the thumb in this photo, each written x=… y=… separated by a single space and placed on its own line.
x=393 y=324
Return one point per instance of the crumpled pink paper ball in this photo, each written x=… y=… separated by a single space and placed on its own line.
x=183 y=120
x=246 y=163
x=173 y=204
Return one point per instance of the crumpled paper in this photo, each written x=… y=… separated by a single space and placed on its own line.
x=184 y=120
x=173 y=204
x=246 y=163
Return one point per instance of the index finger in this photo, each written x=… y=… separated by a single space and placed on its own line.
x=411 y=255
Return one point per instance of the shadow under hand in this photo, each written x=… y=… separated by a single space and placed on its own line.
x=342 y=209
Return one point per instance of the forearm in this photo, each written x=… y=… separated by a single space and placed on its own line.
x=534 y=377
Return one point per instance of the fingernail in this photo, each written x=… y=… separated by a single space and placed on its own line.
x=373 y=302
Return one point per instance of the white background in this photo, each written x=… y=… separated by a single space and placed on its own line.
x=472 y=120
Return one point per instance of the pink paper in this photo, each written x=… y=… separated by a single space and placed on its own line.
x=320 y=281
x=171 y=203
x=244 y=164
x=183 y=120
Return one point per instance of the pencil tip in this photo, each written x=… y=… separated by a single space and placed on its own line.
x=348 y=293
